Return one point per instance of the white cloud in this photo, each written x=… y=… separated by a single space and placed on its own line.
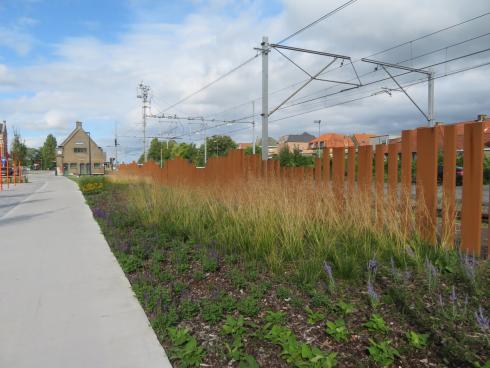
x=93 y=80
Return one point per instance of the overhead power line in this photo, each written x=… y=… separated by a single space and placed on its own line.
x=212 y=82
x=323 y=17
x=388 y=78
x=447 y=28
x=375 y=94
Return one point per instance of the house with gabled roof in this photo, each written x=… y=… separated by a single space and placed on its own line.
x=78 y=154
x=296 y=141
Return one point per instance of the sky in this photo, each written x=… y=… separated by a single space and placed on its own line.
x=63 y=61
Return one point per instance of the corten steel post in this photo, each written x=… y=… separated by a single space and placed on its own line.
x=472 y=188
x=365 y=170
x=318 y=171
x=8 y=174
x=326 y=166
x=270 y=169
x=449 y=185
x=351 y=169
x=338 y=171
x=277 y=167
x=15 y=171
x=301 y=173
x=407 y=137
x=393 y=170
x=427 y=183
x=406 y=176
x=379 y=167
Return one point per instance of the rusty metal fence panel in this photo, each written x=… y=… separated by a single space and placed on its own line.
x=351 y=167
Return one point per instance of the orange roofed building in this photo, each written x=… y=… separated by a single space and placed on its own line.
x=334 y=140
x=459 y=134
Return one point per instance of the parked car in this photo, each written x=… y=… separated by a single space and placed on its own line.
x=4 y=171
x=459 y=174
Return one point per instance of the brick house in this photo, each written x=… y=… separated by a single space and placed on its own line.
x=76 y=157
x=483 y=119
x=296 y=141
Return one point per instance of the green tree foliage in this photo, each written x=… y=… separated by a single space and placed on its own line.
x=249 y=150
x=295 y=158
x=18 y=149
x=160 y=150
x=33 y=156
x=48 y=152
x=219 y=145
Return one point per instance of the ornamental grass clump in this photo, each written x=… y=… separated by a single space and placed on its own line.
x=294 y=226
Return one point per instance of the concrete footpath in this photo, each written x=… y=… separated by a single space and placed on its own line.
x=64 y=300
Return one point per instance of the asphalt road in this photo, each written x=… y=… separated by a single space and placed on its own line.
x=64 y=300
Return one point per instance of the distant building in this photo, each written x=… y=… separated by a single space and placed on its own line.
x=483 y=119
x=331 y=140
x=295 y=141
x=334 y=140
x=3 y=140
x=243 y=146
x=75 y=155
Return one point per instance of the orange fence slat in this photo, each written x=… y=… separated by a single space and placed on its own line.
x=426 y=178
x=338 y=169
x=326 y=165
x=351 y=168
x=392 y=169
x=365 y=169
x=406 y=176
x=472 y=188
x=379 y=166
x=449 y=185
x=318 y=170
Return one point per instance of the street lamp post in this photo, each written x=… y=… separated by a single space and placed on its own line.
x=318 y=143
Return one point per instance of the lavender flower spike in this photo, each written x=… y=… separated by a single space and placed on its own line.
x=327 y=267
x=373 y=296
x=394 y=271
x=453 y=297
x=372 y=265
x=482 y=321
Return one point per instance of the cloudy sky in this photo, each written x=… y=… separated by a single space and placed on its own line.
x=68 y=60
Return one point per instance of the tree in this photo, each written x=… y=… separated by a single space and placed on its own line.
x=48 y=152
x=154 y=151
x=219 y=145
x=249 y=150
x=295 y=158
x=18 y=149
x=33 y=156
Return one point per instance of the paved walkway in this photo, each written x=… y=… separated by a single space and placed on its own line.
x=64 y=300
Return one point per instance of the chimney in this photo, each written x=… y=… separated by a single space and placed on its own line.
x=78 y=124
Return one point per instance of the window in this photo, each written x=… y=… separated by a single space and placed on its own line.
x=79 y=150
x=96 y=165
x=73 y=165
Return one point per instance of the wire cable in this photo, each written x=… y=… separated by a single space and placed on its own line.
x=212 y=82
x=369 y=56
x=323 y=17
x=372 y=95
